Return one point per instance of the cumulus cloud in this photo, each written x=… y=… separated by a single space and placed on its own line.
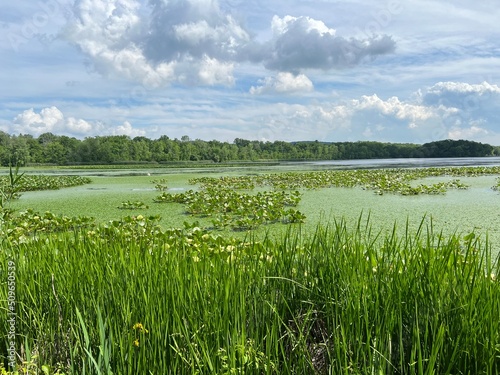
x=472 y=108
x=127 y=129
x=366 y=118
x=462 y=95
x=195 y=42
x=283 y=83
x=473 y=132
x=305 y=43
x=190 y=42
x=47 y=120
x=52 y=120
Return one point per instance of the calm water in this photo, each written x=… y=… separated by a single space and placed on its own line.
x=283 y=166
x=406 y=163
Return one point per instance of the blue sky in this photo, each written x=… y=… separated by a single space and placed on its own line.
x=392 y=71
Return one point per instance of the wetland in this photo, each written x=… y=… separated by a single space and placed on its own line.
x=309 y=268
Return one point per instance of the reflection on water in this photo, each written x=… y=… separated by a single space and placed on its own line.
x=277 y=167
x=407 y=163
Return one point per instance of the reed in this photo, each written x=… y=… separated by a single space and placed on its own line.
x=128 y=297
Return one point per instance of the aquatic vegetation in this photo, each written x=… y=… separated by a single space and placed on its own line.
x=10 y=187
x=137 y=205
x=497 y=186
x=160 y=184
x=229 y=200
x=241 y=211
x=28 y=224
x=381 y=181
x=43 y=182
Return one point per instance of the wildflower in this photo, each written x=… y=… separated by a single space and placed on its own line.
x=139 y=327
x=136 y=343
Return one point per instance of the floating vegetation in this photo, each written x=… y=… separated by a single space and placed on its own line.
x=381 y=181
x=133 y=205
x=497 y=186
x=229 y=200
x=240 y=211
x=42 y=182
x=160 y=184
x=28 y=224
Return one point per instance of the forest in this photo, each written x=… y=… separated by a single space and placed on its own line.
x=51 y=149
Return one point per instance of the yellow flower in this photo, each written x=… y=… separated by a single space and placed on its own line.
x=136 y=342
x=140 y=327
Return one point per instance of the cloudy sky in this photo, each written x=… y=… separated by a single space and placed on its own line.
x=392 y=70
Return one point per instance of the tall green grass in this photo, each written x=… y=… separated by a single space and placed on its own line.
x=131 y=298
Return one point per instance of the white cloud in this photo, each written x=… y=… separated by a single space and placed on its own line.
x=48 y=118
x=305 y=43
x=213 y=72
x=325 y=118
x=473 y=132
x=457 y=93
x=190 y=42
x=469 y=105
x=195 y=42
x=127 y=129
x=109 y=33
x=283 y=83
x=309 y=25
x=78 y=126
x=52 y=120
x=394 y=107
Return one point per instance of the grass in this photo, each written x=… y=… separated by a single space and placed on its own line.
x=187 y=301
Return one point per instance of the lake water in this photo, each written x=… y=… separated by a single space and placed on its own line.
x=458 y=211
x=282 y=166
x=405 y=163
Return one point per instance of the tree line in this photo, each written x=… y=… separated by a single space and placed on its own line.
x=54 y=149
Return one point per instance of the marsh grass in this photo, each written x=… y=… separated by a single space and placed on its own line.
x=131 y=298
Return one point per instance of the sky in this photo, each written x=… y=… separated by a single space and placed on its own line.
x=401 y=71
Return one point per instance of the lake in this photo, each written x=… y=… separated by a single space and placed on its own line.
x=405 y=163
x=458 y=211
